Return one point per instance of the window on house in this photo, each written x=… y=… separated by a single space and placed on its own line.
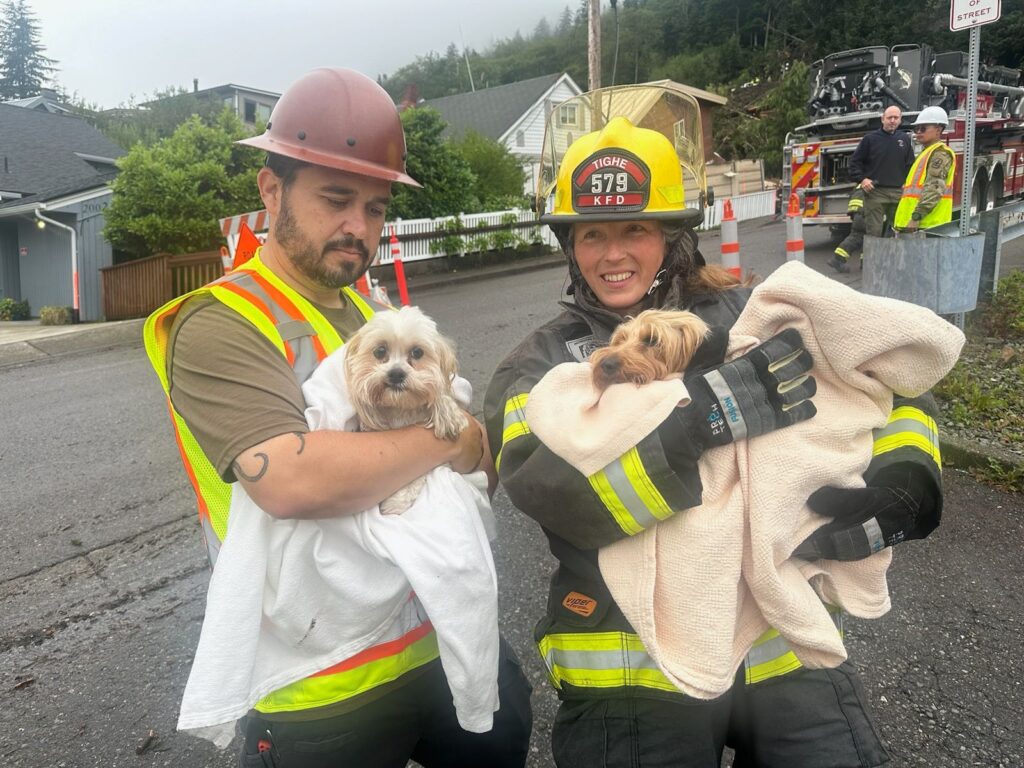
x=567 y=115
x=520 y=139
x=249 y=111
x=263 y=112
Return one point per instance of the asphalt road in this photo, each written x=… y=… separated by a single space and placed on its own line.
x=103 y=573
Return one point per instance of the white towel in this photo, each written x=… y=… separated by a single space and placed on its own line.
x=702 y=586
x=289 y=598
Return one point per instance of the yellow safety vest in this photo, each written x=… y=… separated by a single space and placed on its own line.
x=304 y=337
x=918 y=174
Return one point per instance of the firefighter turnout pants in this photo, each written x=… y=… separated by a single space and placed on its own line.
x=810 y=718
x=878 y=212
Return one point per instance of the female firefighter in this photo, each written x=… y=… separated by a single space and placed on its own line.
x=617 y=209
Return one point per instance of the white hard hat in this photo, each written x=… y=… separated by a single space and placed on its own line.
x=932 y=116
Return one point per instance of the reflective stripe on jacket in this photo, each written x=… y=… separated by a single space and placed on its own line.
x=304 y=337
x=609 y=660
x=942 y=212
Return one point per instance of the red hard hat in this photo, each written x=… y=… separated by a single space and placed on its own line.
x=338 y=118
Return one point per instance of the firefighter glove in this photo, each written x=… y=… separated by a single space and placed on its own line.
x=901 y=502
x=763 y=390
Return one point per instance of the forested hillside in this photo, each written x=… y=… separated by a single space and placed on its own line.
x=718 y=45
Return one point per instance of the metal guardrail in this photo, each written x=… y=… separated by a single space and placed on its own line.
x=999 y=225
x=1009 y=217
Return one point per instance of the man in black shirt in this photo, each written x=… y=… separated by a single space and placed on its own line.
x=879 y=166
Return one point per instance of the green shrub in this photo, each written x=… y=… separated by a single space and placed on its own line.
x=504 y=238
x=55 y=316
x=452 y=243
x=478 y=243
x=1003 y=316
x=14 y=310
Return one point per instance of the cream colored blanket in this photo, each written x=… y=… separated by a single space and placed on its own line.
x=702 y=586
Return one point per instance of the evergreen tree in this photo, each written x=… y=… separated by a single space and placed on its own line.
x=24 y=69
x=719 y=45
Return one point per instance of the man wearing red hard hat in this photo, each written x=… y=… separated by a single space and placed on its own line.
x=232 y=358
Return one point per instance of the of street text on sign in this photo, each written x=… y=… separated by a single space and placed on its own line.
x=964 y=14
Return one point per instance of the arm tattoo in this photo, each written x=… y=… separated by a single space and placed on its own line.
x=253 y=478
x=302 y=443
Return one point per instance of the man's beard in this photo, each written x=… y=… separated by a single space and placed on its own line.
x=304 y=255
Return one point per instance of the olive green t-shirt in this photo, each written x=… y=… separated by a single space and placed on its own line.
x=230 y=384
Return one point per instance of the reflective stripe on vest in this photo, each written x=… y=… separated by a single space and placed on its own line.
x=916 y=177
x=410 y=643
x=600 y=660
x=304 y=337
x=909 y=427
x=289 y=321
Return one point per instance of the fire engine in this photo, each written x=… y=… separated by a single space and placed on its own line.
x=849 y=90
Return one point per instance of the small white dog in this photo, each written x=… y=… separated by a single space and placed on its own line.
x=399 y=371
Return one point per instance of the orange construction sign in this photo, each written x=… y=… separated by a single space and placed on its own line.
x=247 y=245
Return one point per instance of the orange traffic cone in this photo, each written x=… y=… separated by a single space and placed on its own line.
x=396 y=258
x=225 y=259
x=730 y=240
x=794 y=230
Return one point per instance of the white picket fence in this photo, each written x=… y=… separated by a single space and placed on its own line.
x=417 y=236
x=752 y=206
x=429 y=231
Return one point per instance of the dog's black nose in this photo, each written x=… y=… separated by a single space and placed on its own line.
x=610 y=366
x=396 y=376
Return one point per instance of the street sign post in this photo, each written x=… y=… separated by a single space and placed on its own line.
x=972 y=15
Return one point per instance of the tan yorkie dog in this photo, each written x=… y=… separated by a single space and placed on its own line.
x=399 y=371
x=653 y=345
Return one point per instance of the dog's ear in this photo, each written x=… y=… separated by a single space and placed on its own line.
x=446 y=359
x=692 y=332
x=354 y=348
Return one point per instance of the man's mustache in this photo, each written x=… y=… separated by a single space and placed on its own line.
x=349 y=243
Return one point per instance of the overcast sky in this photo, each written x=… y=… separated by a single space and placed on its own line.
x=110 y=50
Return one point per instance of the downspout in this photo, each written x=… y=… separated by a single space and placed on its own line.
x=75 y=316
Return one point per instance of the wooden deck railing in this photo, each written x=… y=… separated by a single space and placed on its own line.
x=136 y=288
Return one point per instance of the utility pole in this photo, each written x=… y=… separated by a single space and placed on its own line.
x=594 y=43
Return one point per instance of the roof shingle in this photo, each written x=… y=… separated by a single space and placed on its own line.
x=37 y=151
x=490 y=111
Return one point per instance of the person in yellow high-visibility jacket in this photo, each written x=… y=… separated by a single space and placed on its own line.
x=927 y=199
x=232 y=358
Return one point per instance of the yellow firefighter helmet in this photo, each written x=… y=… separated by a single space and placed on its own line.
x=621 y=153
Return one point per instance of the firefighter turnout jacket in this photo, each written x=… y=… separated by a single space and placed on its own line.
x=587 y=645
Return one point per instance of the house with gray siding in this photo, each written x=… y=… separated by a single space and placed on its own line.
x=511 y=114
x=54 y=174
x=252 y=105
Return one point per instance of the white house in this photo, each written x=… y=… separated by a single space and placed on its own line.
x=512 y=114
